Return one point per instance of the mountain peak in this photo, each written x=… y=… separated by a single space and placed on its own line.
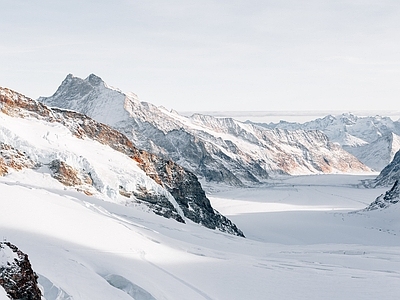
x=90 y=96
x=69 y=76
x=94 y=80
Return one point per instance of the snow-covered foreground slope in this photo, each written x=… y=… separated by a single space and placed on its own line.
x=302 y=243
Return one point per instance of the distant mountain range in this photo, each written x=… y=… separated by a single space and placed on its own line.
x=215 y=149
x=373 y=140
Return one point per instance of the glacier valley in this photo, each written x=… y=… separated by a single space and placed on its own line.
x=306 y=239
x=113 y=198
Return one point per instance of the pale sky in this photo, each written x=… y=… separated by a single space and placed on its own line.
x=210 y=55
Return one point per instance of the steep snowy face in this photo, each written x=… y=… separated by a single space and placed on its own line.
x=92 y=97
x=390 y=174
x=95 y=159
x=373 y=140
x=219 y=150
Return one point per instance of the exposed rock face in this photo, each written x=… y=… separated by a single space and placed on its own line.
x=389 y=198
x=218 y=150
x=390 y=174
x=69 y=176
x=65 y=173
x=16 y=274
x=12 y=158
x=174 y=179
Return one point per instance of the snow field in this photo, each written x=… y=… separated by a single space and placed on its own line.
x=78 y=244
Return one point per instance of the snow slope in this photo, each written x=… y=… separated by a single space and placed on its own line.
x=3 y=294
x=302 y=243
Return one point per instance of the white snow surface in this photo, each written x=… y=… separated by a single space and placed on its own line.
x=7 y=255
x=306 y=239
x=3 y=294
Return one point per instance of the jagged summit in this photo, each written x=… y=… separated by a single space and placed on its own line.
x=90 y=96
x=218 y=150
x=94 y=80
x=95 y=159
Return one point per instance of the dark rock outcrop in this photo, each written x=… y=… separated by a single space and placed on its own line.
x=12 y=158
x=16 y=274
x=390 y=174
x=389 y=198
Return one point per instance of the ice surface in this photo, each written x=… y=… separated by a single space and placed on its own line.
x=136 y=292
x=51 y=291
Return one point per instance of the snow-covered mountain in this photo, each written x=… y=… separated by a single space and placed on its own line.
x=97 y=160
x=216 y=149
x=373 y=140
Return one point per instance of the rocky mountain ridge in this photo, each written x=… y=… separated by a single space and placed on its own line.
x=215 y=149
x=374 y=140
x=385 y=200
x=94 y=158
x=389 y=175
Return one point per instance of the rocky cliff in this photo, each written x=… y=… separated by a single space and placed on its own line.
x=390 y=174
x=16 y=275
x=385 y=200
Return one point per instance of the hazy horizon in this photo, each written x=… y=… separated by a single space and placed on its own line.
x=210 y=55
x=291 y=116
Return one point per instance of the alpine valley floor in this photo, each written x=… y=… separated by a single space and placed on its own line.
x=305 y=239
